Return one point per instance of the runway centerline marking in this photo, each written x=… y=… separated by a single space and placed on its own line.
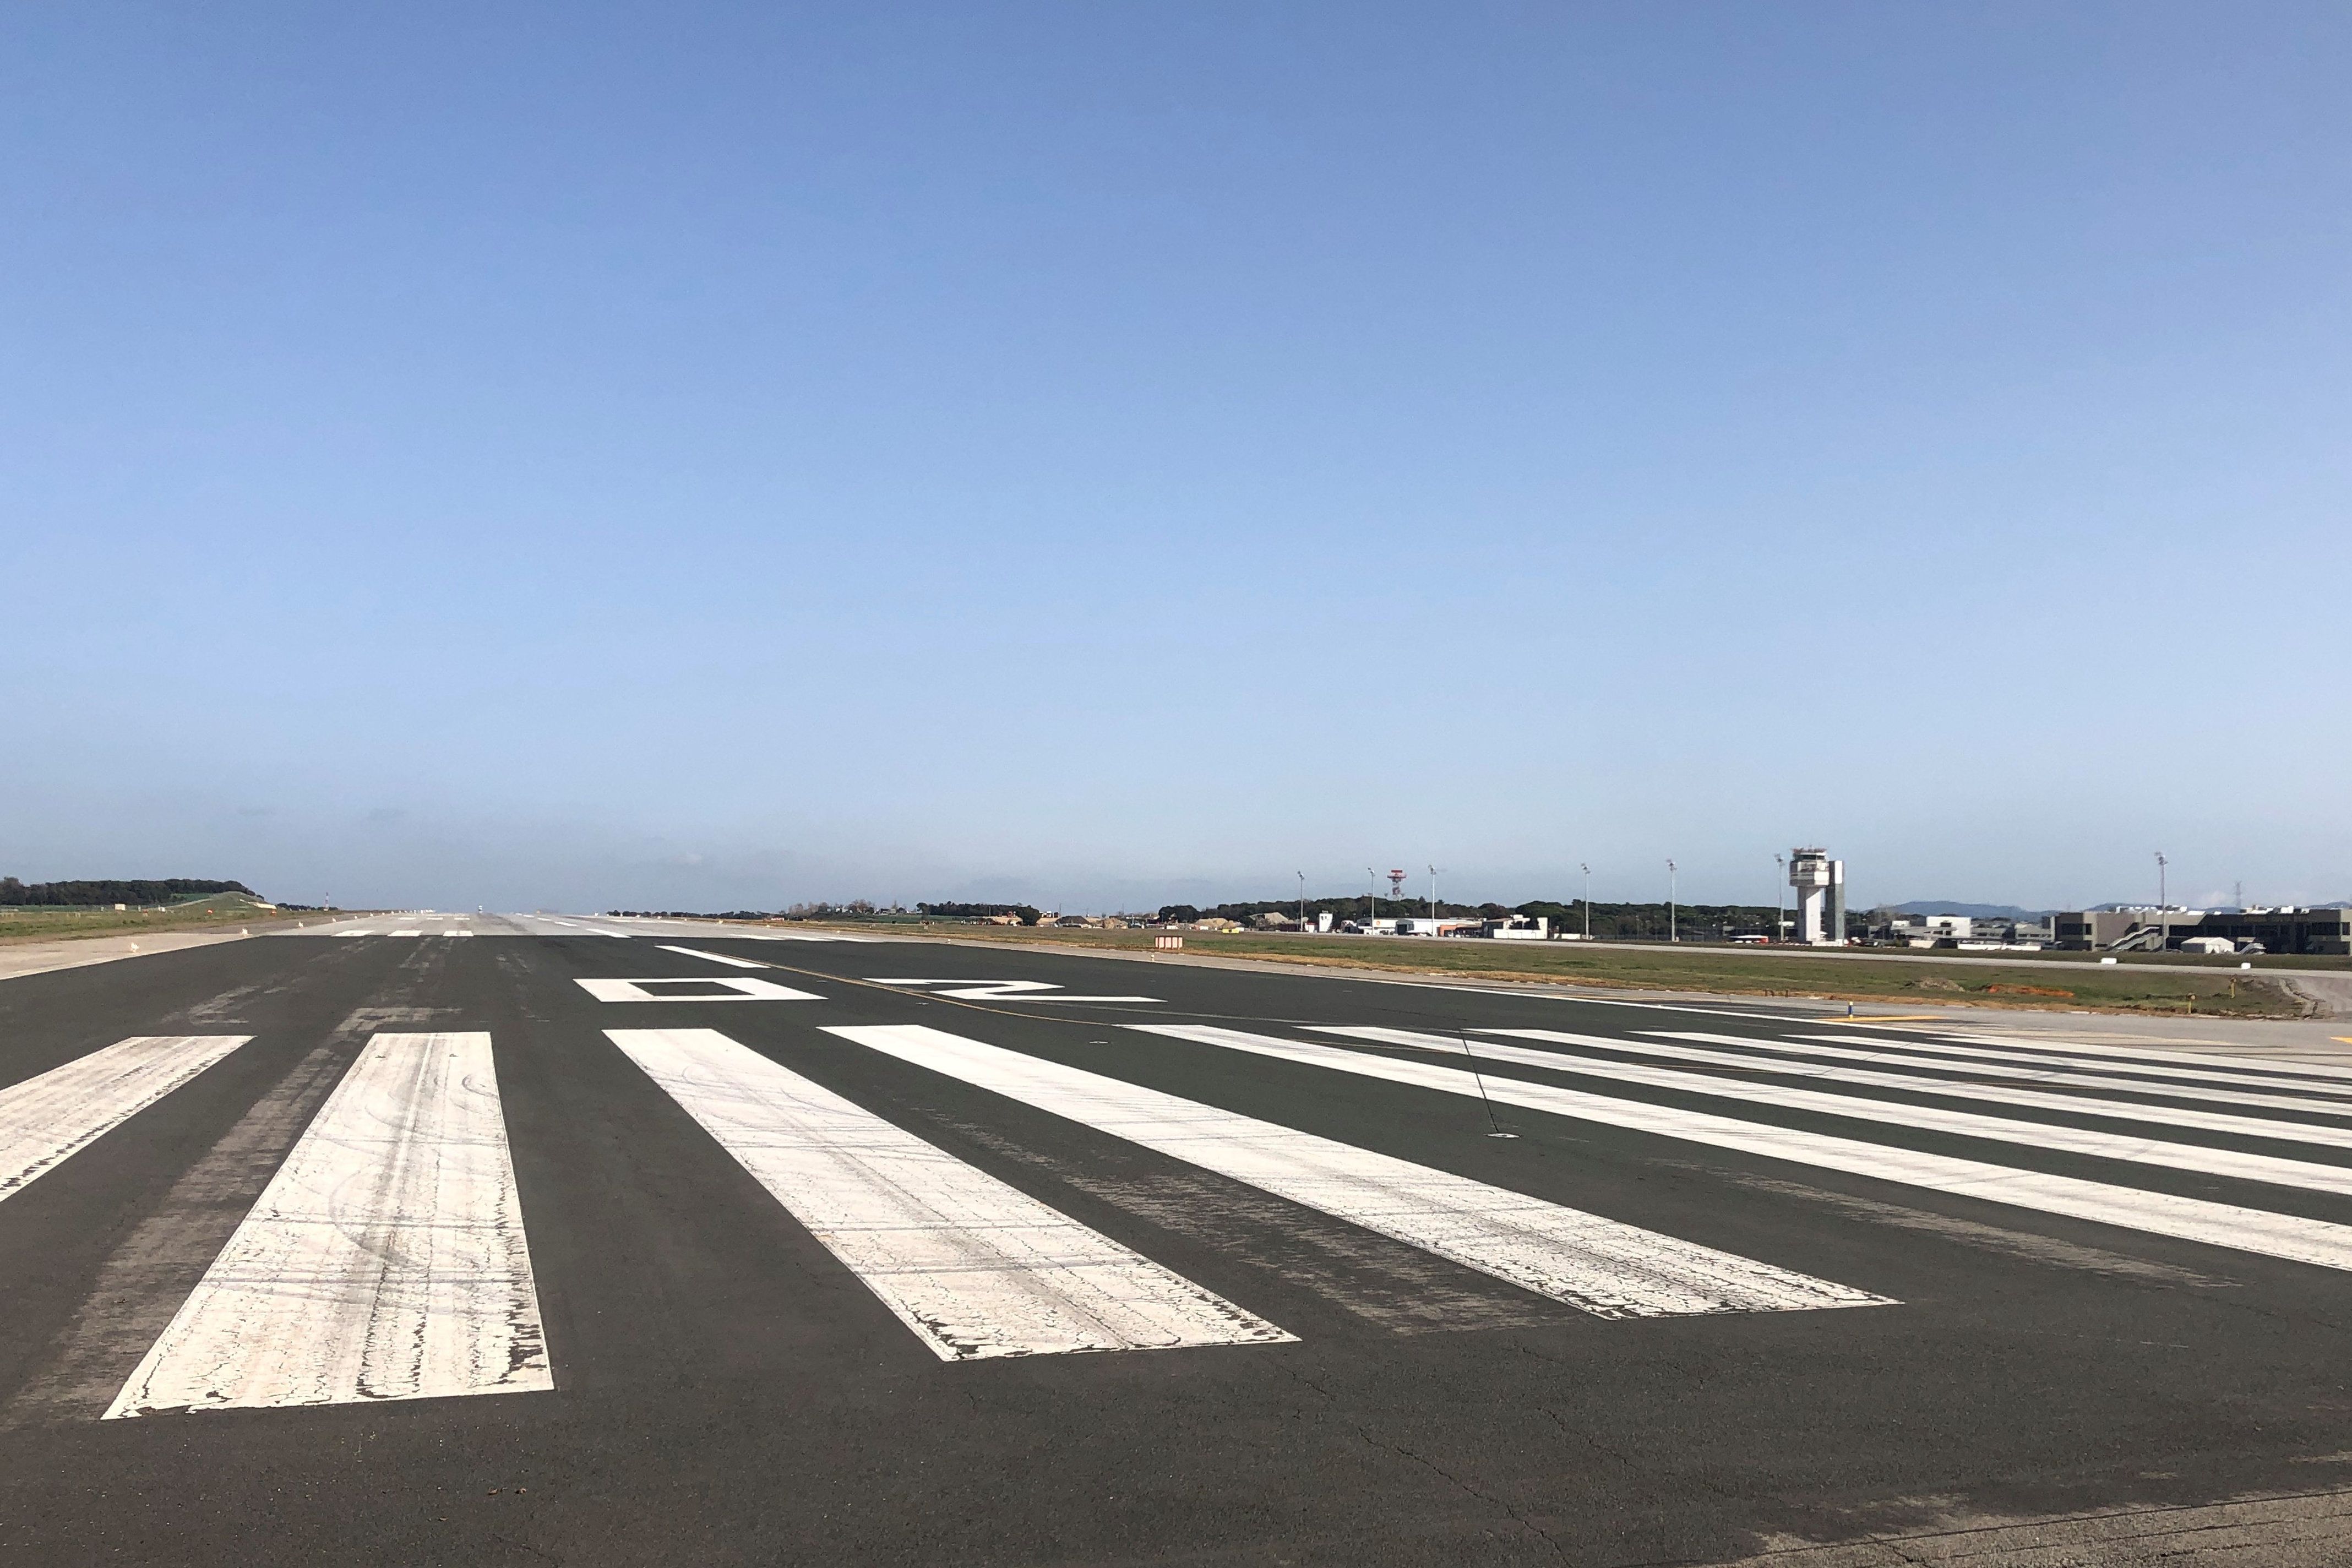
x=715 y=957
x=1002 y=991
x=976 y=1268
x=1599 y=1265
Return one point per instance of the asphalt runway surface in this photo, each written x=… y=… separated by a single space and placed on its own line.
x=527 y=1240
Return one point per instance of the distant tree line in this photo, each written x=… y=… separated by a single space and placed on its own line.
x=1029 y=914
x=167 y=890
x=856 y=909
x=692 y=914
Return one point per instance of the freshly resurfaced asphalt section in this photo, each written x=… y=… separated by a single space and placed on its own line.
x=897 y=1257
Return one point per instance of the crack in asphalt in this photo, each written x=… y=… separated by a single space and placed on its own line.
x=1434 y=1467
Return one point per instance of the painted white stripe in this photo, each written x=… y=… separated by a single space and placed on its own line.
x=1006 y=991
x=2139 y=1149
x=404 y=933
x=48 y=1117
x=384 y=1260
x=1610 y=1269
x=738 y=987
x=2160 y=1213
x=2269 y=1067
x=715 y=957
x=801 y=936
x=2252 y=1072
x=2103 y=1085
x=975 y=1266
x=2046 y=1099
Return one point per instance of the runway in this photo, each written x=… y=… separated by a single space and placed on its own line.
x=441 y=1238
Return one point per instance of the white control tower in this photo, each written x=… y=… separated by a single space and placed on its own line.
x=1818 y=880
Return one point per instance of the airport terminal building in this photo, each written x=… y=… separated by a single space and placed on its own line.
x=2287 y=929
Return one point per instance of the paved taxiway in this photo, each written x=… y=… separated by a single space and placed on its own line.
x=450 y=1239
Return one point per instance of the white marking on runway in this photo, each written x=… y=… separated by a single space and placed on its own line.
x=975 y=1268
x=1006 y=990
x=1598 y=1265
x=736 y=988
x=2058 y=1099
x=404 y=933
x=1858 y=1048
x=2160 y=1214
x=2137 y=1148
x=799 y=936
x=716 y=957
x=385 y=1260
x=2141 y=1058
x=2252 y=1072
x=49 y=1117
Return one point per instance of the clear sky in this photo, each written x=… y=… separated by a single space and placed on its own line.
x=710 y=456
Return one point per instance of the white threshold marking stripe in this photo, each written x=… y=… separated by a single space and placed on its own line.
x=2046 y=1099
x=2252 y=1071
x=1845 y=1049
x=52 y=1115
x=975 y=1266
x=2231 y=1226
x=715 y=957
x=2140 y=1056
x=737 y=988
x=2139 y=1149
x=385 y=1259
x=1598 y=1265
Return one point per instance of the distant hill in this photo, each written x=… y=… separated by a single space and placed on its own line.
x=1974 y=911
x=165 y=890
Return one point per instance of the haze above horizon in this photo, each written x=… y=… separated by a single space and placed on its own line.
x=612 y=457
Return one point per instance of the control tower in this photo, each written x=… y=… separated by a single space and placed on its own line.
x=1818 y=880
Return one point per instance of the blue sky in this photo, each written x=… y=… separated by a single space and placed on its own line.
x=701 y=457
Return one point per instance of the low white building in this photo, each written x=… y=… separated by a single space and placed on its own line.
x=1517 y=928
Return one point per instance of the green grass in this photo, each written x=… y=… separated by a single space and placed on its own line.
x=51 y=922
x=2122 y=988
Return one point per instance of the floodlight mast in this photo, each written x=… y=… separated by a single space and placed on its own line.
x=1587 y=898
x=2163 y=905
x=1671 y=875
x=1372 y=882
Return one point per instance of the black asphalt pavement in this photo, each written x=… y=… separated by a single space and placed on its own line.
x=726 y=1390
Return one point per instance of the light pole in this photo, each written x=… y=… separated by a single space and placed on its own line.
x=1302 y=900
x=1372 y=881
x=1587 y=898
x=1780 y=896
x=2163 y=920
x=1670 y=902
x=1433 y=900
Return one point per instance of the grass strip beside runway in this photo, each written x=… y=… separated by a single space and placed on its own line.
x=2125 y=988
